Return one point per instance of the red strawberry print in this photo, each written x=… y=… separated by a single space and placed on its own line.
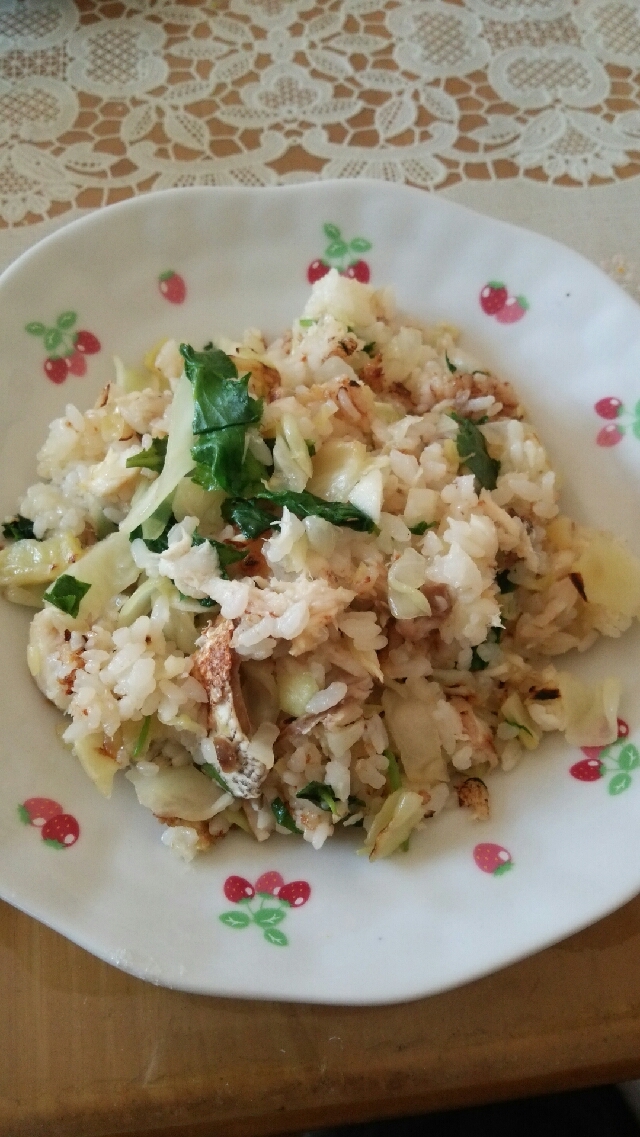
x=237 y=888
x=493 y=297
x=610 y=435
x=317 y=269
x=514 y=309
x=493 y=859
x=358 y=270
x=296 y=893
x=77 y=364
x=270 y=882
x=596 y=751
x=172 y=287
x=338 y=254
x=587 y=770
x=56 y=370
x=87 y=343
x=61 y=831
x=38 y=810
x=608 y=408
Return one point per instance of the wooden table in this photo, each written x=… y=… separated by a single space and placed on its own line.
x=88 y=1050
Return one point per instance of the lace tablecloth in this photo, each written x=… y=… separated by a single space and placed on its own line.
x=526 y=109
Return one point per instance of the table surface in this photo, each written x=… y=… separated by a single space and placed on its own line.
x=531 y=119
x=89 y=1050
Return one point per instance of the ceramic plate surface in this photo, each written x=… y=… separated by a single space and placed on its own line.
x=563 y=845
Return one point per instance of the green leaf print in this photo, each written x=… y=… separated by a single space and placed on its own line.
x=35 y=329
x=619 y=783
x=275 y=936
x=66 y=320
x=331 y=232
x=359 y=245
x=235 y=919
x=52 y=339
x=629 y=757
x=269 y=917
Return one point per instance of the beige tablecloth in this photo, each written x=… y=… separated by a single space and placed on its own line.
x=525 y=109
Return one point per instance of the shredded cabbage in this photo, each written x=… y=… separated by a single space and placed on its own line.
x=178 y=462
x=401 y=812
x=179 y=791
x=108 y=568
x=98 y=765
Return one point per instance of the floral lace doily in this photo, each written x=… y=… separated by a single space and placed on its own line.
x=102 y=100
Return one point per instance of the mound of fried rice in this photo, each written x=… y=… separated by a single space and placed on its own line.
x=333 y=677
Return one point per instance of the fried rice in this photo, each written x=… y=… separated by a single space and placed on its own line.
x=313 y=583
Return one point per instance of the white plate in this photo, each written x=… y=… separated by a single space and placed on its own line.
x=420 y=922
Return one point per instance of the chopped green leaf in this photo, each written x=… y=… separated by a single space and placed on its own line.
x=204 y=601
x=472 y=450
x=452 y=367
x=393 y=771
x=141 y=740
x=311 y=447
x=519 y=726
x=220 y=398
x=369 y=349
x=211 y=772
x=307 y=323
x=219 y=455
x=66 y=593
x=477 y=662
x=505 y=584
x=421 y=528
x=282 y=815
x=319 y=794
x=152 y=458
x=227 y=554
x=306 y=504
x=158 y=544
x=249 y=517
x=223 y=464
x=19 y=528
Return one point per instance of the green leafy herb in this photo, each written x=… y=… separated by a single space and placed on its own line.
x=505 y=584
x=141 y=740
x=227 y=554
x=421 y=528
x=452 y=367
x=204 y=602
x=393 y=771
x=477 y=662
x=18 y=528
x=369 y=349
x=319 y=794
x=211 y=772
x=306 y=504
x=220 y=398
x=519 y=726
x=282 y=815
x=311 y=447
x=152 y=458
x=248 y=516
x=307 y=323
x=472 y=450
x=158 y=544
x=66 y=593
x=223 y=409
